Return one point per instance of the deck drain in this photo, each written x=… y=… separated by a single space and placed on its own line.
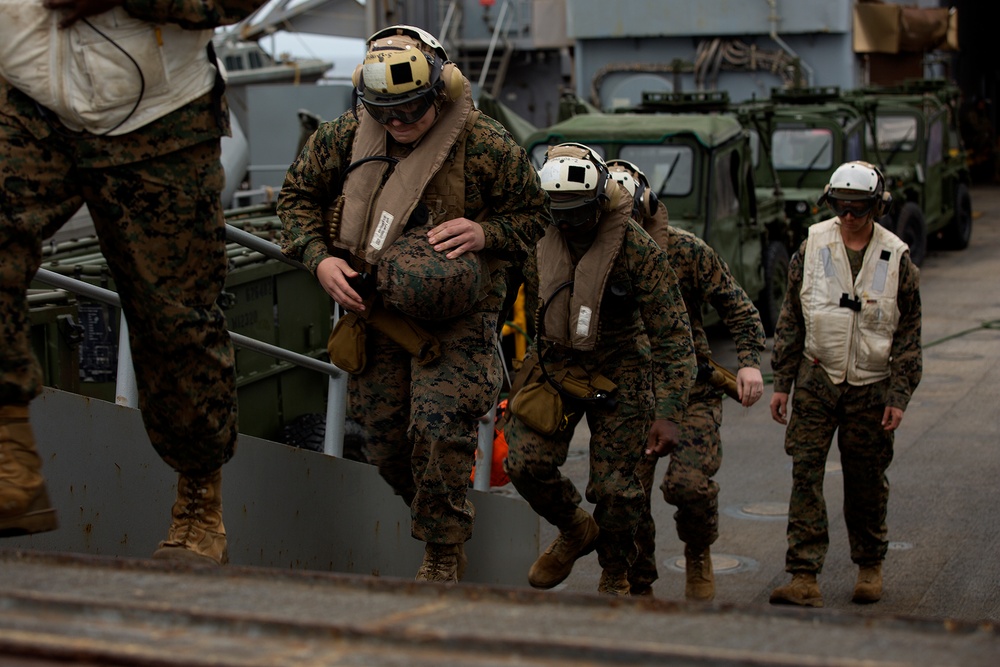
x=721 y=564
x=760 y=511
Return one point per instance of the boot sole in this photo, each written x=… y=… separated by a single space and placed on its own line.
x=798 y=602
x=182 y=555
x=40 y=517
x=865 y=598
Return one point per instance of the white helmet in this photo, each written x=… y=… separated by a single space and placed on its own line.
x=574 y=176
x=620 y=175
x=854 y=181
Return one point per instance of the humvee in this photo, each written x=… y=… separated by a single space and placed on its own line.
x=808 y=133
x=700 y=166
x=913 y=136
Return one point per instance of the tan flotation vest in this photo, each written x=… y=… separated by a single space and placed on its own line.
x=850 y=324
x=86 y=78
x=571 y=319
x=376 y=208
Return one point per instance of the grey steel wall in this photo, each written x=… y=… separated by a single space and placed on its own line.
x=283 y=507
x=659 y=31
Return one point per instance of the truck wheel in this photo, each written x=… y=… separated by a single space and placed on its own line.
x=958 y=233
x=912 y=229
x=775 y=285
x=308 y=431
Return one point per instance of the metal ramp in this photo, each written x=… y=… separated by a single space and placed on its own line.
x=88 y=610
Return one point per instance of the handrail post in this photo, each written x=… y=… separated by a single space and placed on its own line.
x=126 y=388
x=484 y=454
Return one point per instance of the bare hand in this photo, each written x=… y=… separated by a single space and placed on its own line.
x=892 y=418
x=779 y=407
x=663 y=438
x=457 y=237
x=80 y=9
x=334 y=275
x=749 y=386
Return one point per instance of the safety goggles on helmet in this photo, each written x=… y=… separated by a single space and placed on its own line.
x=858 y=208
x=579 y=218
x=406 y=112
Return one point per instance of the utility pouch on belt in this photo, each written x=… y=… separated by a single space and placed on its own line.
x=717 y=376
x=543 y=400
x=346 y=344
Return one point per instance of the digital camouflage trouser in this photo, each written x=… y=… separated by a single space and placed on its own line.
x=865 y=453
x=162 y=232
x=617 y=441
x=688 y=484
x=422 y=422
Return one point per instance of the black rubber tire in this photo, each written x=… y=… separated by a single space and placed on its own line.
x=911 y=228
x=775 y=285
x=308 y=431
x=958 y=233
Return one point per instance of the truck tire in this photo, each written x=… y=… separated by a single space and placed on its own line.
x=958 y=233
x=775 y=285
x=308 y=431
x=911 y=228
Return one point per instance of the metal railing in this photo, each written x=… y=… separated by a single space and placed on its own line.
x=126 y=391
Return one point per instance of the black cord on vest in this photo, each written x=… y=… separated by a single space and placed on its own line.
x=599 y=396
x=59 y=128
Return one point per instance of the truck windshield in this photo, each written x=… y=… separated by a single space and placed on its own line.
x=669 y=168
x=796 y=149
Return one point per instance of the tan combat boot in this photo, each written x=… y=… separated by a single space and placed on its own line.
x=442 y=563
x=700 y=584
x=868 y=589
x=803 y=591
x=196 y=532
x=577 y=540
x=24 y=501
x=614 y=582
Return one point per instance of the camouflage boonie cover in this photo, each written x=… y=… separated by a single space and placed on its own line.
x=423 y=283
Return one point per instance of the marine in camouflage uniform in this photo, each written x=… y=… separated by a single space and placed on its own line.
x=641 y=304
x=864 y=416
x=422 y=419
x=154 y=196
x=688 y=484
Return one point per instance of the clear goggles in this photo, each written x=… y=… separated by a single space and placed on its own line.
x=408 y=112
x=858 y=208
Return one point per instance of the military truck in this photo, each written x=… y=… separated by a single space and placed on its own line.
x=913 y=136
x=700 y=166
x=808 y=133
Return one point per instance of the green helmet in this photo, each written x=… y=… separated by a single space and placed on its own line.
x=423 y=283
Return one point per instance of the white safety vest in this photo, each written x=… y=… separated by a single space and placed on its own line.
x=850 y=324
x=112 y=76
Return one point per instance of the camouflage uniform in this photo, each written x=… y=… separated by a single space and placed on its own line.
x=153 y=195
x=855 y=412
x=704 y=280
x=652 y=384
x=423 y=420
